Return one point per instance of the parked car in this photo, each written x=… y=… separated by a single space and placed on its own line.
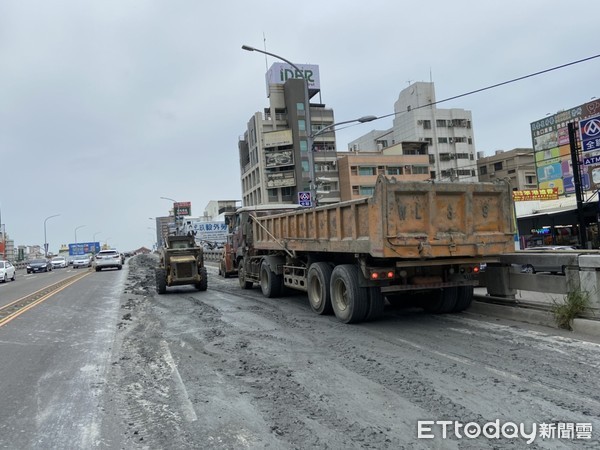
x=82 y=261
x=549 y=266
x=59 y=262
x=39 y=265
x=107 y=258
x=7 y=271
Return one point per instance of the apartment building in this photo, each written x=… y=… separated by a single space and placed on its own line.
x=275 y=160
x=358 y=171
x=448 y=132
x=517 y=166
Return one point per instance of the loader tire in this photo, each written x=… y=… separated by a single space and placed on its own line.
x=161 y=281
x=202 y=285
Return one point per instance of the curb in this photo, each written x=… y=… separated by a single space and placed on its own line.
x=534 y=316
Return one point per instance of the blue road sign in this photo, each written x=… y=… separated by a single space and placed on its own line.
x=305 y=199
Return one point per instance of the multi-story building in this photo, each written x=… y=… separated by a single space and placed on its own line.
x=448 y=132
x=358 y=171
x=275 y=159
x=517 y=166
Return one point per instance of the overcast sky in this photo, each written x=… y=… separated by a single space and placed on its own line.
x=108 y=105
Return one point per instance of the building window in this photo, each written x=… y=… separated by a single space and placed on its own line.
x=303 y=146
x=305 y=166
x=367 y=170
x=530 y=179
x=431 y=159
x=483 y=170
x=354 y=170
x=383 y=143
x=462 y=156
x=394 y=170
x=442 y=140
x=299 y=106
x=440 y=123
x=427 y=124
x=429 y=140
x=287 y=194
x=498 y=166
x=273 y=195
x=366 y=190
x=302 y=125
x=420 y=170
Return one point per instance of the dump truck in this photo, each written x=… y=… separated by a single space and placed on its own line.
x=416 y=242
x=181 y=263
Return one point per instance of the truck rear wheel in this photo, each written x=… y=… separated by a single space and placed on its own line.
x=376 y=304
x=348 y=299
x=443 y=301
x=464 y=298
x=271 y=284
x=161 y=281
x=318 y=282
x=203 y=284
x=242 y=277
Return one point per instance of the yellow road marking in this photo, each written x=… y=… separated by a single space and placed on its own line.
x=34 y=303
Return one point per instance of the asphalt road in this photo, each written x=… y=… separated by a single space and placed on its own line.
x=107 y=363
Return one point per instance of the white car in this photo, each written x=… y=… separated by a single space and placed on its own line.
x=7 y=271
x=107 y=258
x=82 y=261
x=59 y=262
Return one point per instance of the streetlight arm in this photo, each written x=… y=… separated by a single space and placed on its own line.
x=252 y=49
x=333 y=125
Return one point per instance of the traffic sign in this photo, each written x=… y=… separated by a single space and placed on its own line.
x=305 y=199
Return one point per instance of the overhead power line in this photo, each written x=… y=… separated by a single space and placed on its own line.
x=562 y=66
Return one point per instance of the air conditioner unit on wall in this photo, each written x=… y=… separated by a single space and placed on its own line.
x=419 y=122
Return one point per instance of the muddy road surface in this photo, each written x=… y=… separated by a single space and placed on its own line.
x=230 y=369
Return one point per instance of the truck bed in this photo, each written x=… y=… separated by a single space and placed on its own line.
x=405 y=220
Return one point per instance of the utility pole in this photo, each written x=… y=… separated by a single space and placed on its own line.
x=577 y=182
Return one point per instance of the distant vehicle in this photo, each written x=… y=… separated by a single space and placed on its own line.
x=106 y=259
x=7 y=271
x=82 y=261
x=549 y=266
x=59 y=262
x=39 y=265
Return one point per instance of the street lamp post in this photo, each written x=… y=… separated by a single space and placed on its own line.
x=309 y=138
x=174 y=213
x=45 y=239
x=77 y=228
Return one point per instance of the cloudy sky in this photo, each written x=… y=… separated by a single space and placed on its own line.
x=108 y=105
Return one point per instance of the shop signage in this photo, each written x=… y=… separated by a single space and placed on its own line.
x=535 y=194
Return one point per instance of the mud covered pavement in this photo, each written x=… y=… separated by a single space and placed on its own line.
x=228 y=368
